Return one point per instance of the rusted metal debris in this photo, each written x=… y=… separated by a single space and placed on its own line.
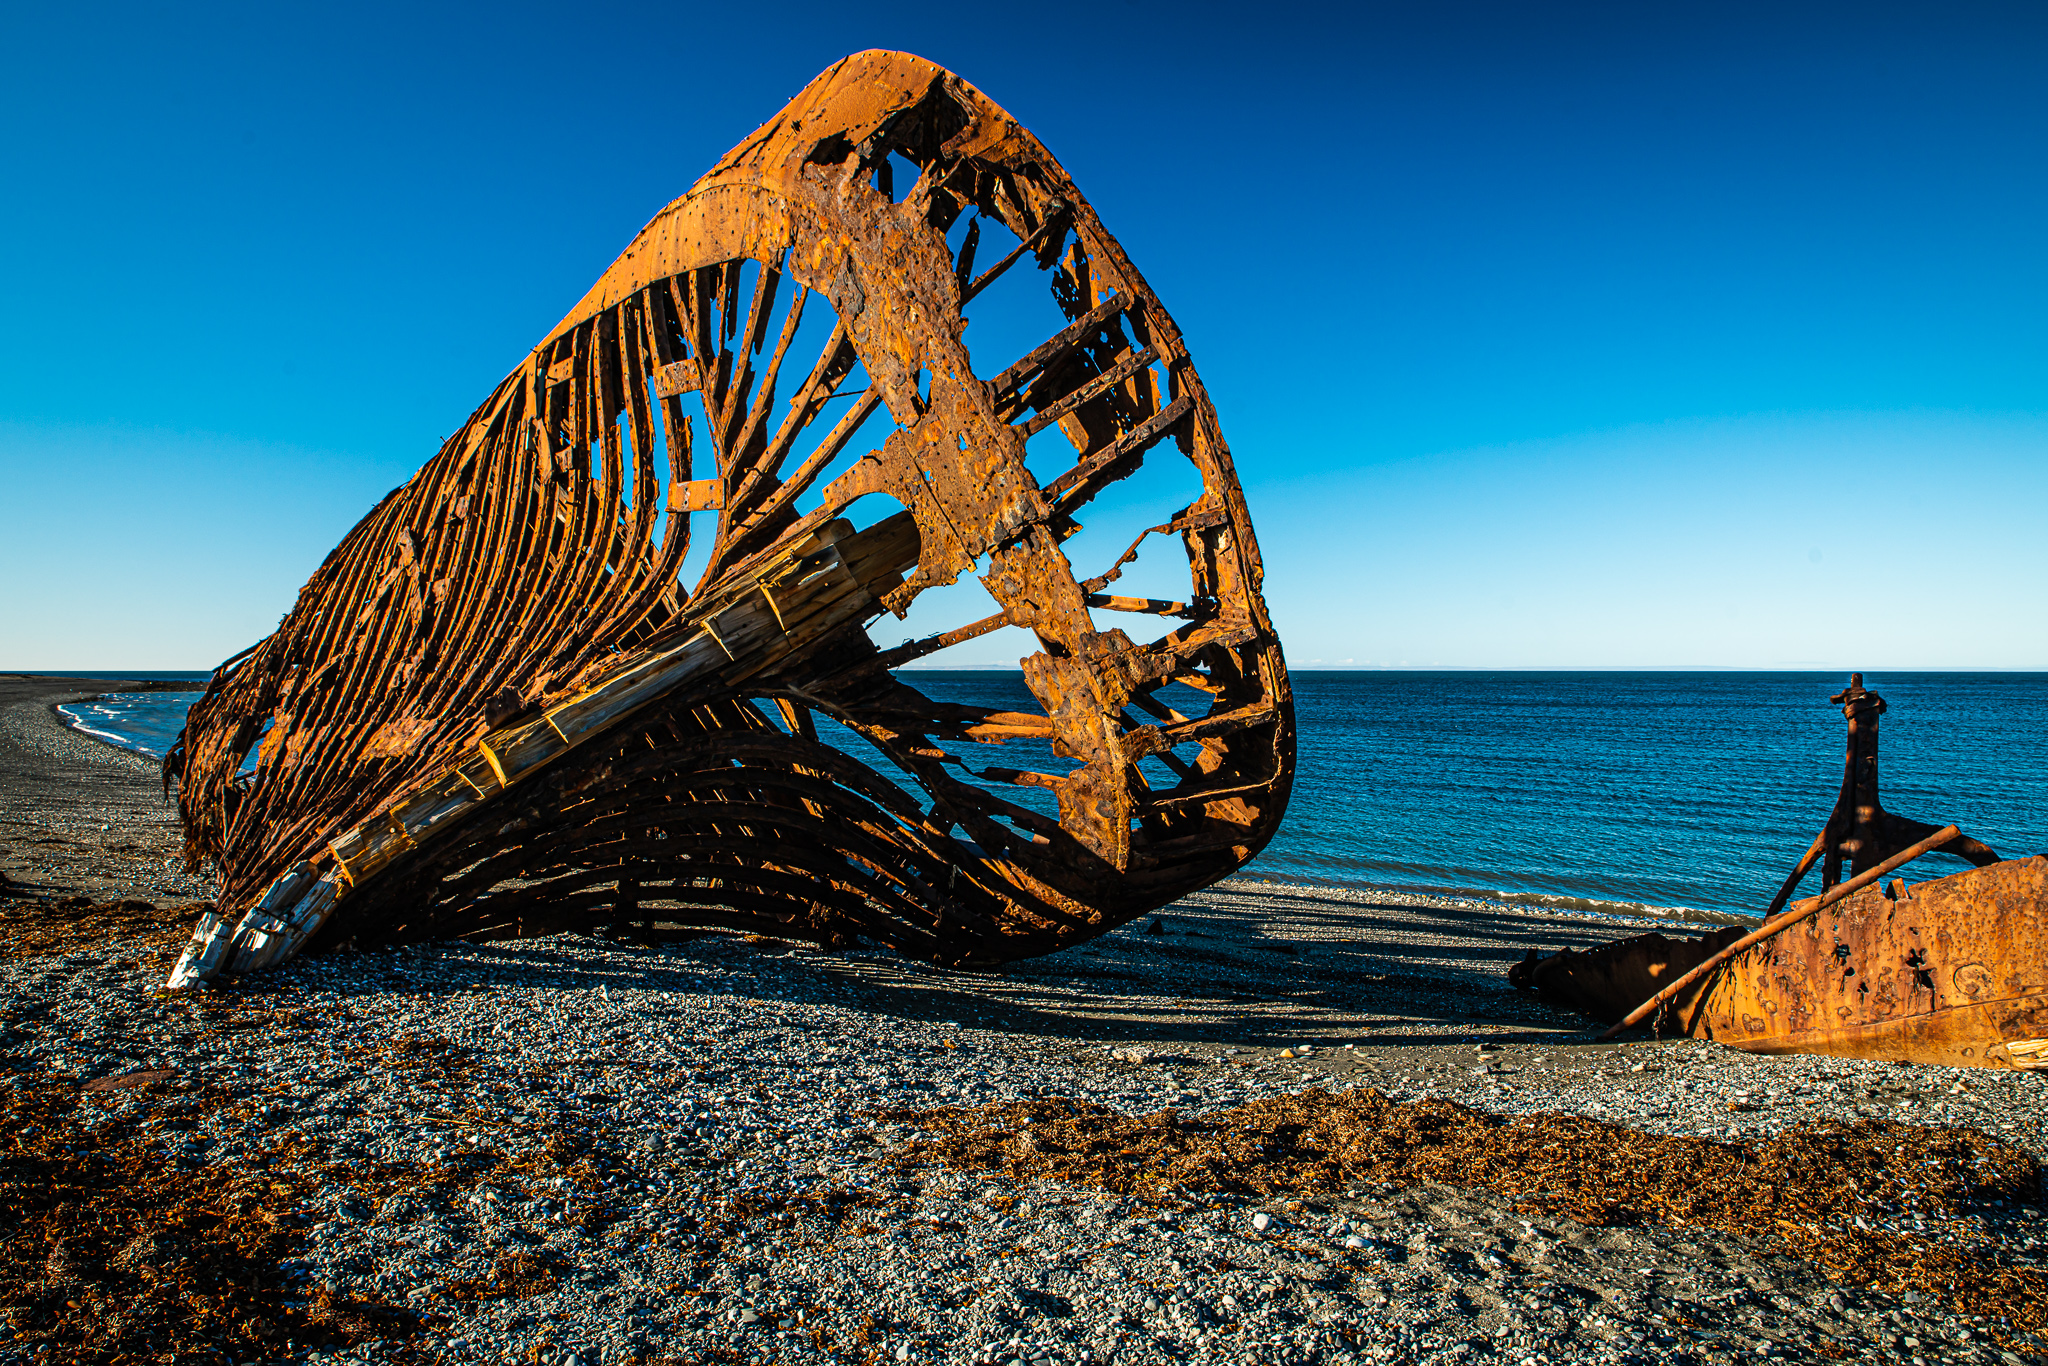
x=1953 y=971
x=496 y=710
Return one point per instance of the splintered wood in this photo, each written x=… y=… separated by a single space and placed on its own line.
x=498 y=709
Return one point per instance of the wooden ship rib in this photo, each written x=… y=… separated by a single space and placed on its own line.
x=1950 y=971
x=498 y=709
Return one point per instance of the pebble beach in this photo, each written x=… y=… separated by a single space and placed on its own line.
x=586 y=1150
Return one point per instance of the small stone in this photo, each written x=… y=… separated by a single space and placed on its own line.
x=1261 y=1221
x=1354 y=1242
x=1287 y=1053
x=903 y=1351
x=749 y=1317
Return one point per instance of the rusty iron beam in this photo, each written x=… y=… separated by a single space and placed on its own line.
x=497 y=709
x=1772 y=928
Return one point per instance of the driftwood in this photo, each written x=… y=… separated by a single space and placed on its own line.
x=497 y=709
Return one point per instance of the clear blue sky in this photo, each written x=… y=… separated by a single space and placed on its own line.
x=1545 y=335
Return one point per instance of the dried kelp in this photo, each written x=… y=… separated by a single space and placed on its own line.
x=109 y=1253
x=1892 y=1206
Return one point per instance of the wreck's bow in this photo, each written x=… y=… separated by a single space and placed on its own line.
x=497 y=709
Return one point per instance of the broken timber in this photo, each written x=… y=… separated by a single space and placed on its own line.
x=498 y=710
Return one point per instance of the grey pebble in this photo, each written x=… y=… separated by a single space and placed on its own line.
x=731 y=1092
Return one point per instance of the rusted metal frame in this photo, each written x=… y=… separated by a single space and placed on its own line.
x=788 y=844
x=481 y=515
x=1182 y=770
x=1117 y=407
x=661 y=589
x=1027 y=200
x=828 y=449
x=1189 y=520
x=737 y=395
x=1151 y=739
x=694 y=309
x=1799 y=912
x=546 y=569
x=366 y=657
x=635 y=586
x=604 y=550
x=885 y=794
x=598 y=806
x=583 y=582
x=744 y=466
x=1097 y=470
x=502 y=412
x=903 y=654
x=577 y=397
x=339 y=621
x=963 y=262
x=1088 y=391
x=697 y=825
x=797 y=718
x=511 y=545
x=781 y=917
x=931 y=774
x=827 y=374
x=839 y=767
x=729 y=301
x=1032 y=241
x=975 y=809
x=1006 y=389
x=849 y=911
x=601 y=538
x=1158 y=607
x=785 y=892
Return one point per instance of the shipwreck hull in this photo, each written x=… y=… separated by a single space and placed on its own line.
x=499 y=709
x=1952 y=972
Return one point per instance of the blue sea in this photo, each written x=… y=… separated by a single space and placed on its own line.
x=1621 y=792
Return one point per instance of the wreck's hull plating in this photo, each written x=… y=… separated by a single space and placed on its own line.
x=1951 y=972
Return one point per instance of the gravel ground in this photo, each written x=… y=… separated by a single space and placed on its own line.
x=578 y=1150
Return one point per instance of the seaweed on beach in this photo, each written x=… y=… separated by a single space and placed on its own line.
x=1884 y=1205
x=35 y=927
x=109 y=1251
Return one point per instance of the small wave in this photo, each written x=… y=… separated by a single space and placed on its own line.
x=1575 y=905
x=1633 y=909
x=141 y=723
x=114 y=738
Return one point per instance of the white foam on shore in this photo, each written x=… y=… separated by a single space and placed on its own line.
x=118 y=741
x=1512 y=903
x=136 y=722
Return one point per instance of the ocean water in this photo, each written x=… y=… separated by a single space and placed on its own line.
x=1615 y=791
x=146 y=722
